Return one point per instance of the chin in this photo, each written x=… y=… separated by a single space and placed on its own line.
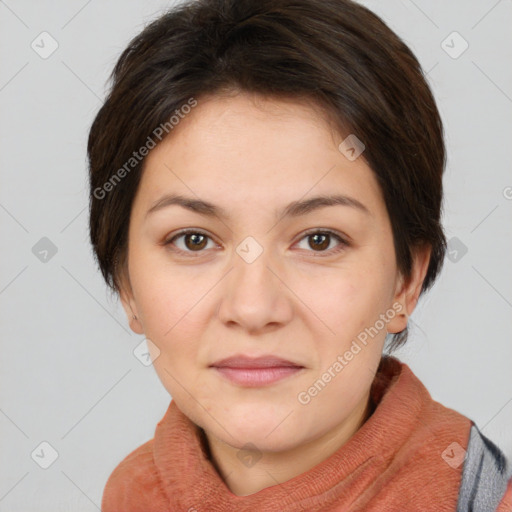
x=263 y=443
x=266 y=434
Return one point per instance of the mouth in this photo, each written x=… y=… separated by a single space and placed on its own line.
x=256 y=372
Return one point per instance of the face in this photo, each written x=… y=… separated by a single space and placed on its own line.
x=262 y=275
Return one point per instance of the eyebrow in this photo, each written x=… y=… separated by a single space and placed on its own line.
x=294 y=209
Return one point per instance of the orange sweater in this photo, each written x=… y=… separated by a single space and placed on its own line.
x=404 y=458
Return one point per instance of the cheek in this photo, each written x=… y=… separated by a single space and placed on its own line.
x=165 y=297
x=351 y=297
x=158 y=305
x=171 y=310
x=351 y=306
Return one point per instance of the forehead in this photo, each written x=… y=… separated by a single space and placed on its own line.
x=251 y=147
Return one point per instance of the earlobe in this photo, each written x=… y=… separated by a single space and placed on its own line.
x=132 y=315
x=399 y=322
x=136 y=325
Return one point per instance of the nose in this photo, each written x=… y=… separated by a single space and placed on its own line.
x=255 y=296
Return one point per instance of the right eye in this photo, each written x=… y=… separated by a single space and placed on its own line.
x=193 y=241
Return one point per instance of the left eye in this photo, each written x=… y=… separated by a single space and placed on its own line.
x=321 y=240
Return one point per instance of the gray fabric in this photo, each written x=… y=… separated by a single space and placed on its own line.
x=485 y=474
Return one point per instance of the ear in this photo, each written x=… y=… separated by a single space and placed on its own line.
x=407 y=291
x=128 y=302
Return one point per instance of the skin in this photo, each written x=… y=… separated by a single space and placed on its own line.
x=297 y=300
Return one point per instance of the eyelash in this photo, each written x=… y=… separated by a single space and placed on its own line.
x=343 y=243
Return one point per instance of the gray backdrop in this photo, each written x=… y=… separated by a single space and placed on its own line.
x=69 y=378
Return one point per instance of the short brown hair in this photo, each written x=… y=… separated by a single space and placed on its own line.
x=335 y=53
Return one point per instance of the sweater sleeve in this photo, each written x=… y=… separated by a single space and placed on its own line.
x=486 y=478
x=134 y=485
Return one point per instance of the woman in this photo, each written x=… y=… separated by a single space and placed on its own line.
x=266 y=193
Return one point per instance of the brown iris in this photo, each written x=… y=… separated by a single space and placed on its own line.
x=198 y=241
x=319 y=245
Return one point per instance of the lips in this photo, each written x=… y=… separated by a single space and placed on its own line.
x=246 y=362
x=253 y=372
